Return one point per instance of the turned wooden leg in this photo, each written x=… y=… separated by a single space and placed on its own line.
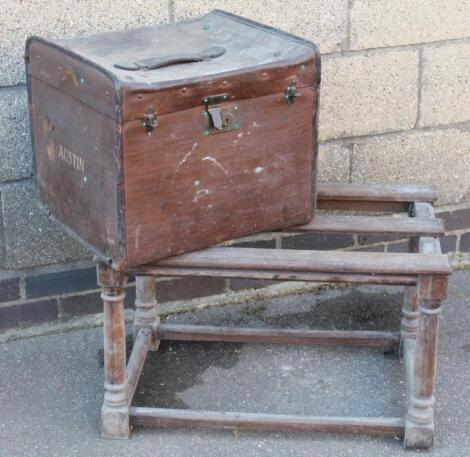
x=419 y=430
x=146 y=316
x=409 y=310
x=409 y=320
x=115 y=410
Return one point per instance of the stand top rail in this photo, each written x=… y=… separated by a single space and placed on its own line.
x=373 y=263
x=376 y=192
x=376 y=225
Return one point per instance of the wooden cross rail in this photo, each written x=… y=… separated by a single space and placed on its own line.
x=423 y=271
x=372 y=197
x=402 y=226
x=162 y=417
x=365 y=338
x=387 y=193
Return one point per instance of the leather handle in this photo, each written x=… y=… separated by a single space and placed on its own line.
x=165 y=61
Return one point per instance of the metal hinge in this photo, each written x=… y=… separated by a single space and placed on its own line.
x=291 y=92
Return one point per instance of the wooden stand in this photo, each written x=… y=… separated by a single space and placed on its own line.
x=423 y=272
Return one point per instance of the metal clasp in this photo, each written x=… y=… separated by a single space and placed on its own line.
x=291 y=92
x=149 y=121
x=220 y=118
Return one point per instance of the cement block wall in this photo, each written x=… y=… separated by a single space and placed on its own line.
x=395 y=107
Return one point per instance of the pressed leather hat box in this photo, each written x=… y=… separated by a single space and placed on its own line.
x=161 y=140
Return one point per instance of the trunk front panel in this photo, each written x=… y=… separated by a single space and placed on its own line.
x=186 y=190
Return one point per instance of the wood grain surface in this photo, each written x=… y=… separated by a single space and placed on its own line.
x=383 y=225
x=162 y=417
x=187 y=191
x=374 y=263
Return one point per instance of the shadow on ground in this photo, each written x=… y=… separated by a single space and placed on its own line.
x=178 y=366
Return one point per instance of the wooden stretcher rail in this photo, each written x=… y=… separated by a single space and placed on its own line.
x=385 y=225
x=274 y=336
x=136 y=361
x=162 y=417
x=373 y=263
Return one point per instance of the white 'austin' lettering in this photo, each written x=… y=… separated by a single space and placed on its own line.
x=72 y=159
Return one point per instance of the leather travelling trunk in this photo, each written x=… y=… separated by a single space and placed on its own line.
x=162 y=140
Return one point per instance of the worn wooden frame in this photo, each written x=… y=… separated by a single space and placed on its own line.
x=423 y=271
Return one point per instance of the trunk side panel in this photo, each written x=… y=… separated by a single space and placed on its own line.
x=76 y=171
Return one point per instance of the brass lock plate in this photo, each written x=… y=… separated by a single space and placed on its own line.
x=220 y=117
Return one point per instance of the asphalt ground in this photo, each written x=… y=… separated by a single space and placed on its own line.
x=51 y=386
